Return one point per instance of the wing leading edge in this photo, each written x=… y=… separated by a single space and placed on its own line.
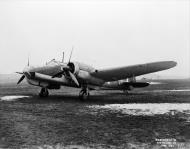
x=119 y=73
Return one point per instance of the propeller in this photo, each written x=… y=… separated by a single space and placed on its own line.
x=70 y=55
x=19 y=72
x=63 y=57
x=21 y=79
x=23 y=76
x=67 y=71
x=74 y=78
x=28 y=62
x=58 y=74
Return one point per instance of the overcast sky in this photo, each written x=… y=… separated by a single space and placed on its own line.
x=103 y=33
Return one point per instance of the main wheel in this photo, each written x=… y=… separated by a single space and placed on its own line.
x=126 y=92
x=44 y=92
x=83 y=95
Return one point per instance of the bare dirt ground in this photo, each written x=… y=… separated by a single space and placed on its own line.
x=153 y=117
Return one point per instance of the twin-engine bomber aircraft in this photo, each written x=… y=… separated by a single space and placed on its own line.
x=75 y=74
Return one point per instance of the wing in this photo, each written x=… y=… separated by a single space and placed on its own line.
x=134 y=70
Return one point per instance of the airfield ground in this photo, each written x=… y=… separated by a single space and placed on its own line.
x=153 y=117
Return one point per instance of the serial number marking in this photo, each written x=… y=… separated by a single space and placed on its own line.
x=170 y=143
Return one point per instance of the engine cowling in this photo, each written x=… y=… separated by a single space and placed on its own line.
x=82 y=72
x=74 y=67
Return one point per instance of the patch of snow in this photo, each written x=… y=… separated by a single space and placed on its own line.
x=174 y=90
x=152 y=83
x=145 y=109
x=11 y=98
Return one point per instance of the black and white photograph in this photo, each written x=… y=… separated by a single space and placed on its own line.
x=94 y=74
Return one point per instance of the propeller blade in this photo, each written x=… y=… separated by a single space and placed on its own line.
x=70 y=55
x=19 y=72
x=65 y=68
x=74 y=78
x=28 y=59
x=20 y=80
x=67 y=71
x=58 y=74
x=63 y=57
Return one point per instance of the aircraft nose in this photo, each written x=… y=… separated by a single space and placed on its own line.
x=27 y=71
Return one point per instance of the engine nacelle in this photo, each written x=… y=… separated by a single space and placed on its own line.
x=76 y=67
x=82 y=71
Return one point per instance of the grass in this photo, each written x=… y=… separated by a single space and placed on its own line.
x=62 y=120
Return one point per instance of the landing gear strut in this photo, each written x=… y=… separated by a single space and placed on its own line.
x=44 y=92
x=84 y=94
x=126 y=92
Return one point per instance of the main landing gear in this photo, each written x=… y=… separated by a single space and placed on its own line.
x=126 y=92
x=44 y=92
x=84 y=94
